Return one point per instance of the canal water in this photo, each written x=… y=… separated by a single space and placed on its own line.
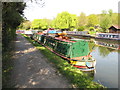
x=106 y=54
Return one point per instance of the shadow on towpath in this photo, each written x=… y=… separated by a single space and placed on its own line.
x=32 y=70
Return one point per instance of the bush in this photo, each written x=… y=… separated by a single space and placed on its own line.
x=92 y=32
x=100 y=30
x=71 y=29
x=91 y=28
x=97 y=30
x=81 y=28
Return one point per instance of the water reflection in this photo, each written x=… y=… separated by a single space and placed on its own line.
x=103 y=51
x=106 y=63
x=105 y=47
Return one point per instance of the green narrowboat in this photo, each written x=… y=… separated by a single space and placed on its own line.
x=76 y=51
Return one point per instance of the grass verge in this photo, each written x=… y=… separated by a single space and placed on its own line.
x=75 y=76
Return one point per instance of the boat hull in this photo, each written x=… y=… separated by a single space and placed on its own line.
x=69 y=50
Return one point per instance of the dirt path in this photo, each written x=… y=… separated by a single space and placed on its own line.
x=32 y=70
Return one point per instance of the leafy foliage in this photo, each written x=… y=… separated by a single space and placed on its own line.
x=81 y=28
x=25 y=25
x=106 y=20
x=82 y=20
x=115 y=18
x=105 y=23
x=40 y=23
x=64 y=20
x=91 y=28
x=92 y=20
x=11 y=18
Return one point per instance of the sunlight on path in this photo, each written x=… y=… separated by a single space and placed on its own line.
x=32 y=70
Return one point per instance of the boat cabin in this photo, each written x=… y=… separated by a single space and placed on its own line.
x=114 y=29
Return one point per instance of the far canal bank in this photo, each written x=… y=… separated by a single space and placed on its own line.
x=105 y=36
x=106 y=53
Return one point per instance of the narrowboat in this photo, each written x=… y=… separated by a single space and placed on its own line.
x=109 y=36
x=75 y=51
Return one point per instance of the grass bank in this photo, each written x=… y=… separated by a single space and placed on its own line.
x=75 y=76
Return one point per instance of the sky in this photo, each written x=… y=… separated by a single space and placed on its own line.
x=51 y=8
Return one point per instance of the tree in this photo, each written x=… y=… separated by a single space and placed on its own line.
x=65 y=20
x=92 y=20
x=110 y=12
x=115 y=18
x=25 y=25
x=104 y=23
x=12 y=16
x=45 y=23
x=106 y=20
x=82 y=20
x=36 y=24
x=40 y=24
x=81 y=28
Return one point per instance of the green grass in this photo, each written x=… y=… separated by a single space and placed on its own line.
x=92 y=32
x=75 y=76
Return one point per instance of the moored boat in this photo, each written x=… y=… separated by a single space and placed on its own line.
x=109 y=36
x=76 y=51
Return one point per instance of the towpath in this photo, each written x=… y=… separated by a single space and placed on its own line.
x=32 y=70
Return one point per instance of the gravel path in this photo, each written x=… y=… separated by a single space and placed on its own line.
x=32 y=70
